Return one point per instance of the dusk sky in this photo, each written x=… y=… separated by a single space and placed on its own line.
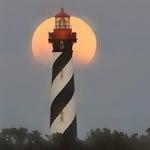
x=111 y=92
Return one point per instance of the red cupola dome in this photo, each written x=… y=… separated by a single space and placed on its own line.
x=62 y=14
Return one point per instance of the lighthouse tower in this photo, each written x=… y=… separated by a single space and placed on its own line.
x=63 y=111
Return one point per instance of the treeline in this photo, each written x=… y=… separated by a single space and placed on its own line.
x=99 y=139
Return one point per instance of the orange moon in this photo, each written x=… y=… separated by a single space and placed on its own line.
x=83 y=51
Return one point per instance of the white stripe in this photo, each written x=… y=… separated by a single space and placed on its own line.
x=58 y=83
x=55 y=56
x=59 y=126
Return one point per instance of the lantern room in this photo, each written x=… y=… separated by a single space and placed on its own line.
x=62 y=29
x=62 y=20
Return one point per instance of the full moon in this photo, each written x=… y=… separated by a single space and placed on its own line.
x=83 y=51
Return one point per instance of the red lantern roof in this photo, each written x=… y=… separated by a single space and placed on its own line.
x=62 y=14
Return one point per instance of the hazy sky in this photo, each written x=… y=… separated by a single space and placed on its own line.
x=112 y=92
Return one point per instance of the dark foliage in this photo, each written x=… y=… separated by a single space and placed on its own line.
x=99 y=139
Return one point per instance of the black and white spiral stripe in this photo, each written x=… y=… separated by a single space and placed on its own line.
x=63 y=97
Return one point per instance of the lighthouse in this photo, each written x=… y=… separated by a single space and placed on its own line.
x=63 y=106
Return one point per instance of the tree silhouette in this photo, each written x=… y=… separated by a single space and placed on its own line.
x=99 y=139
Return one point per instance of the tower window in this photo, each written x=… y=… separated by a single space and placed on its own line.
x=62 y=116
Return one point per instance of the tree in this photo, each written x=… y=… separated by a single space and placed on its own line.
x=148 y=131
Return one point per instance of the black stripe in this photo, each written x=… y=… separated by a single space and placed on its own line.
x=69 y=136
x=62 y=100
x=60 y=63
x=71 y=131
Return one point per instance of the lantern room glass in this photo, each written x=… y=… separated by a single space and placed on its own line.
x=62 y=23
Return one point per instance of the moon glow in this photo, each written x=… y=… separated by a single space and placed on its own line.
x=83 y=51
